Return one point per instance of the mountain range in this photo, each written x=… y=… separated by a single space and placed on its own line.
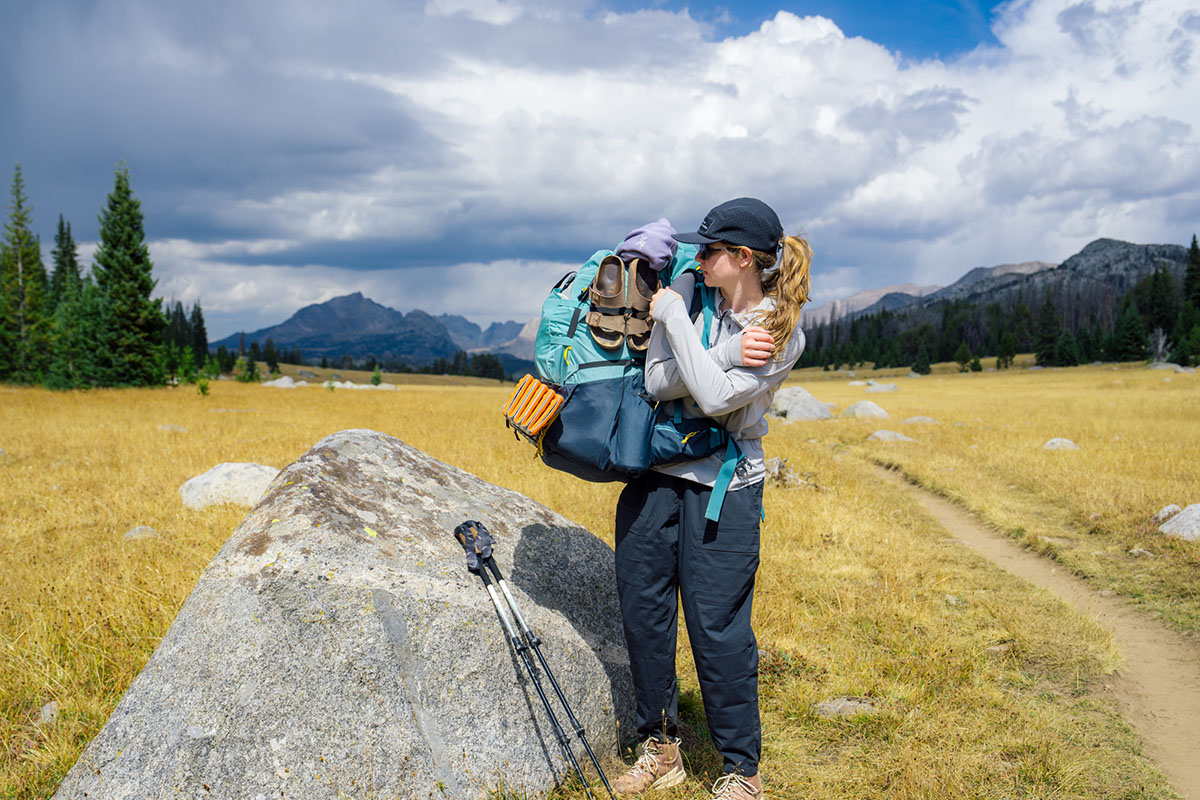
x=356 y=326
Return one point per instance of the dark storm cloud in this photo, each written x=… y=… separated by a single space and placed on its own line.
x=188 y=104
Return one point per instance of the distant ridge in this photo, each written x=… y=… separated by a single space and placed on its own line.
x=903 y=295
x=356 y=326
x=836 y=309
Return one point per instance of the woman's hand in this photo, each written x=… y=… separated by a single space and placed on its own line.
x=757 y=346
x=658 y=294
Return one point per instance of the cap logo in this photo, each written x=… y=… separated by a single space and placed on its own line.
x=704 y=226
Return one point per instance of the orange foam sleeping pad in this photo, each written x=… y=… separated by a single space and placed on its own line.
x=532 y=406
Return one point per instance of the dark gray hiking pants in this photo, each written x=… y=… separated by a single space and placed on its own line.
x=664 y=544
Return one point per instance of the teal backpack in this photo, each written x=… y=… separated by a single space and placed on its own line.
x=609 y=428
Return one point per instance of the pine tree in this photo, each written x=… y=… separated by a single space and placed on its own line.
x=1049 y=328
x=24 y=323
x=199 y=343
x=132 y=339
x=1129 y=338
x=962 y=356
x=1191 y=280
x=65 y=277
x=921 y=365
x=1008 y=350
x=271 y=356
x=1066 y=354
x=77 y=324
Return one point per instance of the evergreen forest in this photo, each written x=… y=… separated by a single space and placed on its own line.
x=1158 y=318
x=71 y=329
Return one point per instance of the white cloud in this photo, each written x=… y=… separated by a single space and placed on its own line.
x=493 y=12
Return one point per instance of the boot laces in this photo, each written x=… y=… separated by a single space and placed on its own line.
x=727 y=784
x=647 y=762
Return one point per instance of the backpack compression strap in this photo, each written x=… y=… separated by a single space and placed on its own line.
x=721 y=487
x=733 y=453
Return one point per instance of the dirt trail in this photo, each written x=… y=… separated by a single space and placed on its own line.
x=1158 y=686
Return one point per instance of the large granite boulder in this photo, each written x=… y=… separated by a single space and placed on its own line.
x=337 y=646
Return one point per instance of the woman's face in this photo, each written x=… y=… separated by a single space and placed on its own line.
x=720 y=264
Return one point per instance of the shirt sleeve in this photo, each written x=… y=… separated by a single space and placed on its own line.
x=715 y=391
x=663 y=379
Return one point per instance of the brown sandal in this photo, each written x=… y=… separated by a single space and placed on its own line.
x=606 y=318
x=643 y=283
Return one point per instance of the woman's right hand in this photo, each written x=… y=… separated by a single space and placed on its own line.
x=757 y=346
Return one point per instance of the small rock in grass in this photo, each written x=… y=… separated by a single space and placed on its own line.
x=239 y=483
x=1095 y=516
x=883 y=387
x=141 y=532
x=920 y=421
x=845 y=707
x=953 y=600
x=857 y=383
x=284 y=382
x=1162 y=365
x=1185 y=369
x=169 y=428
x=797 y=403
x=1165 y=513
x=912 y=374
x=889 y=436
x=1058 y=443
x=1139 y=552
x=1185 y=524
x=49 y=712
x=1000 y=649
x=865 y=409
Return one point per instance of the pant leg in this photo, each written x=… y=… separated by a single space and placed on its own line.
x=717 y=566
x=647 y=529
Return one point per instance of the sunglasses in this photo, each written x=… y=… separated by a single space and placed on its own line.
x=708 y=251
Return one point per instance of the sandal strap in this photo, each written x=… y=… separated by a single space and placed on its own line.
x=612 y=323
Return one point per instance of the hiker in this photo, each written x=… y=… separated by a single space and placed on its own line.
x=664 y=541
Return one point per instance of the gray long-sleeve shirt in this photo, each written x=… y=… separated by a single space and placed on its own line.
x=713 y=382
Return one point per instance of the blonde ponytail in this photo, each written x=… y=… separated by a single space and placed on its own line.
x=787 y=286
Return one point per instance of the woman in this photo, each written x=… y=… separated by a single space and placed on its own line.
x=664 y=541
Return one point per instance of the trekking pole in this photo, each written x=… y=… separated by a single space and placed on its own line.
x=477 y=542
x=535 y=644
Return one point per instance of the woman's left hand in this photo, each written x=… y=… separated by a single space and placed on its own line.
x=660 y=293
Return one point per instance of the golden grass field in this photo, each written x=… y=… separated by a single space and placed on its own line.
x=852 y=592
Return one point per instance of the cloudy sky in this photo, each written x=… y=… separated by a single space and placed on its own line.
x=459 y=155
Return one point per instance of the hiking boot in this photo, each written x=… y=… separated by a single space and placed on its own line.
x=734 y=787
x=659 y=766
